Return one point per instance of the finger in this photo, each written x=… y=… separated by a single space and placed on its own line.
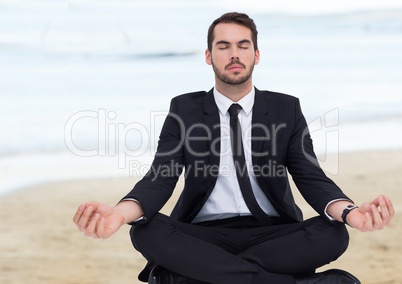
x=91 y=228
x=93 y=204
x=390 y=207
x=377 y=220
x=85 y=217
x=368 y=224
x=78 y=214
x=376 y=201
x=385 y=214
x=101 y=232
x=365 y=207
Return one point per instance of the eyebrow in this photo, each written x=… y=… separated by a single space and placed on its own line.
x=228 y=43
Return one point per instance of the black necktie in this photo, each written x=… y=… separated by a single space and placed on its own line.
x=240 y=164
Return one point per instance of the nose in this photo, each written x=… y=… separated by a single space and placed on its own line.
x=234 y=58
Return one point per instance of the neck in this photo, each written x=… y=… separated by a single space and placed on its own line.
x=234 y=92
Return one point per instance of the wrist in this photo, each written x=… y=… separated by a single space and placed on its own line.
x=335 y=209
x=346 y=212
x=129 y=210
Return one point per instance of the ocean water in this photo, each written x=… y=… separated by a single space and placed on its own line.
x=84 y=88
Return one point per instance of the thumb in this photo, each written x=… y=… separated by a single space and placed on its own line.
x=365 y=207
x=101 y=232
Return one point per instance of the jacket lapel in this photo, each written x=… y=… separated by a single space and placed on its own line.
x=260 y=131
x=211 y=119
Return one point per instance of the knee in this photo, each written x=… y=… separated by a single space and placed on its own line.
x=142 y=234
x=334 y=238
x=338 y=236
x=342 y=236
x=136 y=236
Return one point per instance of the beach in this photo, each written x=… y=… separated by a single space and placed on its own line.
x=40 y=244
x=85 y=88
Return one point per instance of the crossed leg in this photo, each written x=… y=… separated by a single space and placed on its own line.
x=216 y=254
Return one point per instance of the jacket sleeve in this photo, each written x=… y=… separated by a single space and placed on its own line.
x=316 y=188
x=156 y=187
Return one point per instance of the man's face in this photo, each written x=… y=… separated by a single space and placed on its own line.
x=232 y=56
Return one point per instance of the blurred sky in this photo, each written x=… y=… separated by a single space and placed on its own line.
x=283 y=6
x=313 y=6
x=59 y=57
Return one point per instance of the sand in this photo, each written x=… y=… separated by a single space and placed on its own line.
x=40 y=244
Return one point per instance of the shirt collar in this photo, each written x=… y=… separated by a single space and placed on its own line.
x=224 y=102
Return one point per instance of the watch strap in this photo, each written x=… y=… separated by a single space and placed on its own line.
x=346 y=211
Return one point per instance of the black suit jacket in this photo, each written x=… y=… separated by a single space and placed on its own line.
x=190 y=140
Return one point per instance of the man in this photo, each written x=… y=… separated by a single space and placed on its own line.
x=236 y=220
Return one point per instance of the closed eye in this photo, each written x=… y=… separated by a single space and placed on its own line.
x=223 y=44
x=244 y=44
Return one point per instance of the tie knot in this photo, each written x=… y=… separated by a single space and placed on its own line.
x=234 y=109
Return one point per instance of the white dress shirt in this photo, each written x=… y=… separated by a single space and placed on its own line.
x=226 y=199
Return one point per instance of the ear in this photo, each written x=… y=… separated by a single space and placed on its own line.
x=257 y=56
x=208 y=58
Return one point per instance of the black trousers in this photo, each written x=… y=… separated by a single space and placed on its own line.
x=239 y=250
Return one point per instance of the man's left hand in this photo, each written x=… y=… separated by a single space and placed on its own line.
x=372 y=216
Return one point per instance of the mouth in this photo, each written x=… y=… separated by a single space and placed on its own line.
x=235 y=67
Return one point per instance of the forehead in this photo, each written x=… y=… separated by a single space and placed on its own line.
x=231 y=32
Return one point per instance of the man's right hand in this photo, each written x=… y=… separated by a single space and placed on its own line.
x=98 y=220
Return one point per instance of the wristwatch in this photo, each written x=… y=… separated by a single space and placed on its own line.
x=346 y=211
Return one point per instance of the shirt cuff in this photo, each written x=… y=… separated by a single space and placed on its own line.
x=329 y=203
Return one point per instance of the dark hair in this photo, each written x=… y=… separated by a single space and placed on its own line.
x=237 y=18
